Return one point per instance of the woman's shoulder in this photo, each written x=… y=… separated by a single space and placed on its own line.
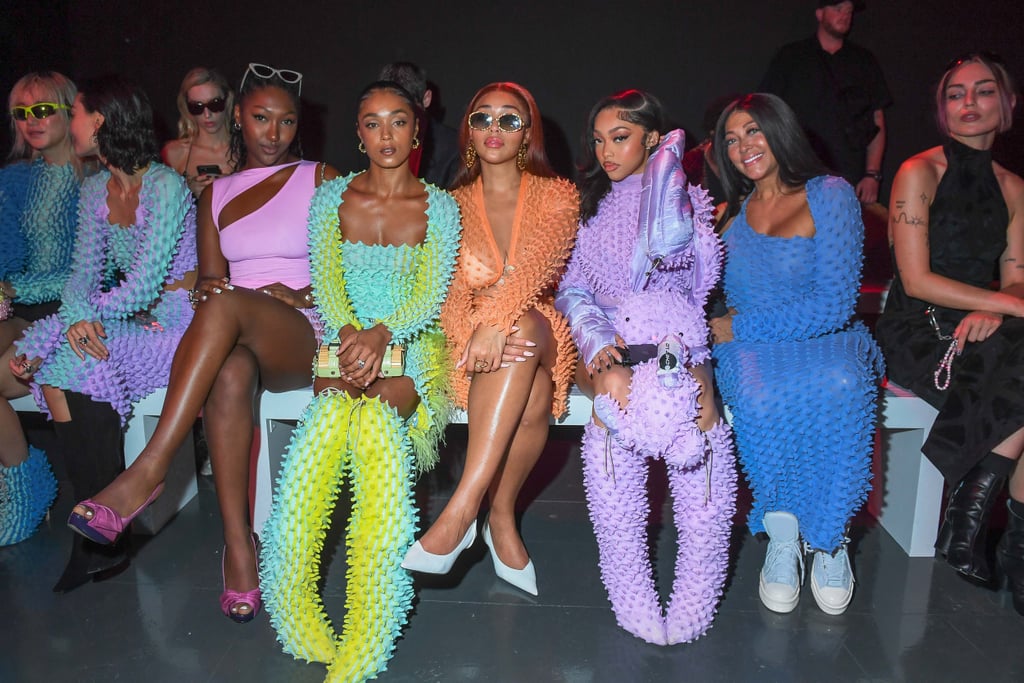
x=175 y=152
x=924 y=167
x=1012 y=186
x=555 y=190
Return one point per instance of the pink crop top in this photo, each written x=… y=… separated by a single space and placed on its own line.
x=270 y=244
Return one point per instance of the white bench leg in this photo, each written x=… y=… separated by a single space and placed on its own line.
x=180 y=484
x=913 y=492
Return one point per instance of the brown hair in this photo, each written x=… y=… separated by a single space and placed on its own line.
x=536 y=157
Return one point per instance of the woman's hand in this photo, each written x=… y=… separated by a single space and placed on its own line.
x=23 y=368
x=292 y=297
x=485 y=350
x=86 y=337
x=517 y=349
x=607 y=357
x=198 y=183
x=976 y=326
x=361 y=352
x=721 y=327
x=7 y=290
x=207 y=287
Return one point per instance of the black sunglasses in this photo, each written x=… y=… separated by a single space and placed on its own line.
x=507 y=123
x=216 y=106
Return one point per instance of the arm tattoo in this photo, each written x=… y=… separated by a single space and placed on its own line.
x=902 y=217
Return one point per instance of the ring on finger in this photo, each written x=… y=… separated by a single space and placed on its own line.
x=361 y=363
x=480 y=364
x=83 y=340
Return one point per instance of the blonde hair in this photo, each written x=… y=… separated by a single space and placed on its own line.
x=187 y=128
x=1004 y=82
x=53 y=87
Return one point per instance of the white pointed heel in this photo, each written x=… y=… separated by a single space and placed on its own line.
x=419 y=560
x=524 y=579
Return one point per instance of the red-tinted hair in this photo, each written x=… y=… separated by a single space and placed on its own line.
x=536 y=157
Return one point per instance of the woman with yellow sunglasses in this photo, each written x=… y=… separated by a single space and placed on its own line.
x=38 y=209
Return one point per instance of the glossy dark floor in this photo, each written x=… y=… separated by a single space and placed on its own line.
x=911 y=620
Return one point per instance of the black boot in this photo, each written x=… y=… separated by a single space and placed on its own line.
x=93 y=456
x=1010 y=555
x=964 y=529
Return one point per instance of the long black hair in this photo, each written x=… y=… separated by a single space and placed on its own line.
x=125 y=138
x=237 y=153
x=792 y=151
x=636 y=106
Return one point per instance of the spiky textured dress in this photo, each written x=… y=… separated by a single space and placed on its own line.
x=543 y=231
x=801 y=375
x=643 y=268
x=357 y=284
x=118 y=274
x=38 y=215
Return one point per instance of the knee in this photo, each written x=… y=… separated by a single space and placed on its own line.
x=616 y=382
x=535 y=327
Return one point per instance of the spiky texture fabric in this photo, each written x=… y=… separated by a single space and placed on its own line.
x=26 y=493
x=116 y=273
x=401 y=287
x=704 y=500
x=547 y=211
x=369 y=442
x=38 y=216
x=799 y=376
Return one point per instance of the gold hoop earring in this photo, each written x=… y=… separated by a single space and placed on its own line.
x=362 y=147
x=469 y=156
x=521 y=157
x=415 y=142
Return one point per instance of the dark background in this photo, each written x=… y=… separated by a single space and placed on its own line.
x=569 y=54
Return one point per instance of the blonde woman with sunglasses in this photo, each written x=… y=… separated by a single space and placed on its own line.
x=512 y=351
x=200 y=154
x=38 y=214
x=254 y=327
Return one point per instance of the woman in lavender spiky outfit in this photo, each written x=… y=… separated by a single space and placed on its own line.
x=645 y=260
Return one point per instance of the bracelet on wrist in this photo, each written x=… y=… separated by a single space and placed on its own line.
x=877 y=175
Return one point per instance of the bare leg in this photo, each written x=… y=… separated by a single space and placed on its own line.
x=278 y=337
x=13 y=447
x=228 y=416
x=497 y=401
x=1013 y=447
x=523 y=453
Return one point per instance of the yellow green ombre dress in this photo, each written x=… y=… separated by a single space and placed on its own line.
x=362 y=438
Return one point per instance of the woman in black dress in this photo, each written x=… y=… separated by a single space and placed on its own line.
x=955 y=216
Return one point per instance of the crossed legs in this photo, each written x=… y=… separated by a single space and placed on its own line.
x=237 y=340
x=508 y=426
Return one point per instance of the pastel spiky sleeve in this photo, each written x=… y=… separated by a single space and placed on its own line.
x=164 y=206
x=435 y=263
x=14 y=186
x=827 y=303
x=48 y=221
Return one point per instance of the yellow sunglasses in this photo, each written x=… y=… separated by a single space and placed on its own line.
x=39 y=110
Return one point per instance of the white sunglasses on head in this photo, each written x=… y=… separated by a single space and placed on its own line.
x=266 y=72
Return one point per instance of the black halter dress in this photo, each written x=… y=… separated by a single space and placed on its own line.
x=984 y=403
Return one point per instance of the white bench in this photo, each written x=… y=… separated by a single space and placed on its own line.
x=912 y=487
x=180 y=485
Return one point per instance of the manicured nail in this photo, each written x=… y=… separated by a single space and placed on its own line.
x=217 y=290
x=528 y=354
x=504 y=365
x=229 y=286
x=203 y=297
x=520 y=359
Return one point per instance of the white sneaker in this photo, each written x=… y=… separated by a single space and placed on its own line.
x=832 y=581
x=783 y=570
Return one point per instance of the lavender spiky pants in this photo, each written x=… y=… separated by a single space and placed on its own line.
x=702 y=478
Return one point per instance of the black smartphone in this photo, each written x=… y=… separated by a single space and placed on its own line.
x=635 y=354
x=208 y=169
